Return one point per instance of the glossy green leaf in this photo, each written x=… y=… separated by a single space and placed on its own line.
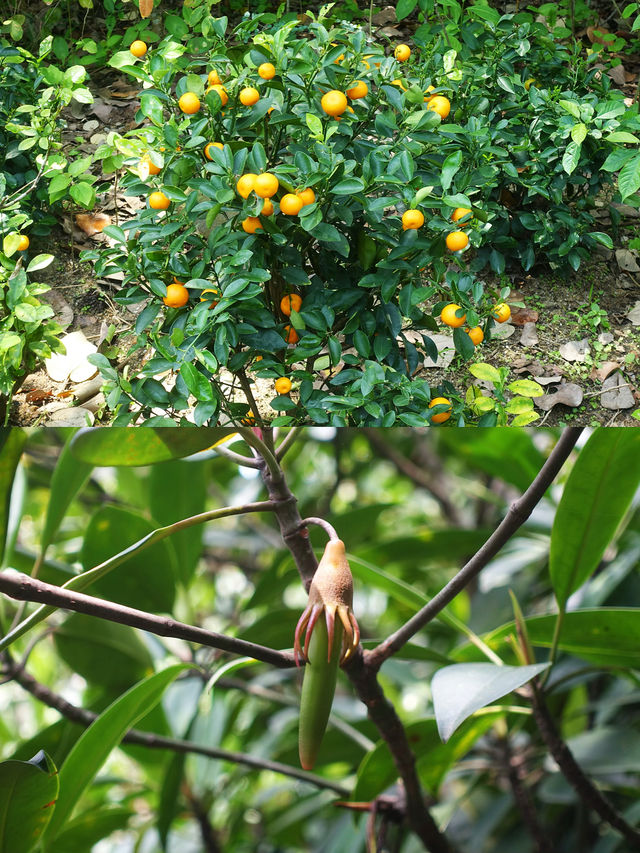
x=10 y=453
x=103 y=653
x=69 y=476
x=607 y=749
x=91 y=826
x=595 y=499
x=462 y=689
x=104 y=734
x=124 y=446
x=145 y=580
x=28 y=792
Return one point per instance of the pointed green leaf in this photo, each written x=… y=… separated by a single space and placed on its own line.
x=10 y=453
x=124 y=446
x=28 y=791
x=69 y=476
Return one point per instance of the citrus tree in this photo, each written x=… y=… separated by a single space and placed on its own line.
x=317 y=204
x=157 y=693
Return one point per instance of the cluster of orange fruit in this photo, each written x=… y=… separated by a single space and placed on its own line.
x=455 y=240
x=265 y=186
x=453 y=315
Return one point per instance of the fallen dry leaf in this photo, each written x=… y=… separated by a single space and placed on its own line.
x=385 y=16
x=616 y=393
x=575 y=350
x=568 y=394
x=604 y=370
x=37 y=398
x=627 y=260
x=520 y=316
x=146 y=8
x=92 y=223
x=529 y=336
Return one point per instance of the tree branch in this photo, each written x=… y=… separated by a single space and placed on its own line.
x=516 y=773
x=153 y=741
x=573 y=773
x=518 y=513
x=25 y=588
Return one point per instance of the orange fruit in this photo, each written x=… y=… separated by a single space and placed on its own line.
x=290 y=302
x=23 y=243
x=291 y=204
x=138 y=48
x=214 y=299
x=267 y=207
x=358 y=90
x=307 y=195
x=412 y=219
x=177 y=296
x=249 y=96
x=210 y=145
x=439 y=104
x=251 y=224
x=213 y=78
x=189 y=103
x=158 y=201
x=456 y=240
x=334 y=103
x=151 y=166
x=443 y=416
x=266 y=185
x=290 y=335
x=249 y=419
x=267 y=71
x=427 y=93
x=245 y=184
x=459 y=213
x=402 y=52
x=476 y=335
x=283 y=385
x=501 y=312
x=449 y=317
x=220 y=91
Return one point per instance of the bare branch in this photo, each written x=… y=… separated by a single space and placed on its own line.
x=25 y=588
x=518 y=513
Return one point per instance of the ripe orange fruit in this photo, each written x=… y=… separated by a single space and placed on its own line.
x=501 y=312
x=23 y=244
x=266 y=185
x=245 y=184
x=267 y=71
x=189 y=103
x=456 y=240
x=210 y=145
x=412 y=219
x=138 y=48
x=177 y=296
x=290 y=302
x=402 y=52
x=251 y=224
x=358 y=90
x=459 y=213
x=214 y=78
x=449 y=317
x=214 y=299
x=249 y=419
x=283 y=385
x=443 y=416
x=249 y=96
x=291 y=204
x=476 y=335
x=334 y=103
x=439 y=104
x=158 y=201
x=290 y=335
x=152 y=169
x=220 y=91
x=267 y=207
x=307 y=195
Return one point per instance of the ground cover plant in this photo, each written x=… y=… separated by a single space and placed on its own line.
x=487 y=698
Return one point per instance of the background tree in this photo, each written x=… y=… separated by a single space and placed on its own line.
x=492 y=704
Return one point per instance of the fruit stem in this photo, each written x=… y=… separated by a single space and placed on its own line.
x=321 y=522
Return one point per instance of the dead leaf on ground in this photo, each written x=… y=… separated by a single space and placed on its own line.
x=37 y=397
x=616 y=393
x=92 y=223
x=390 y=32
x=575 y=350
x=568 y=394
x=529 y=336
x=634 y=314
x=146 y=8
x=604 y=370
x=549 y=380
x=520 y=316
x=385 y=16
x=626 y=260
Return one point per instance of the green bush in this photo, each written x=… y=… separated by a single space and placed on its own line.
x=527 y=160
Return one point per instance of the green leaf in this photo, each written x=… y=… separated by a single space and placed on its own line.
x=123 y=446
x=449 y=168
x=579 y=132
x=104 y=734
x=405 y=8
x=486 y=372
x=83 y=193
x=462 y=689
x=39 y=262
x=629 y=177
x=526 y=388
x=348 y=186
x=91 y=826
x=10 y=453
x=28 y=791
x=571 y=107
x=571 y=157
x=69 y=476
x=621 y=136
x=145 y=580
x=594 y=501
x=607 y=750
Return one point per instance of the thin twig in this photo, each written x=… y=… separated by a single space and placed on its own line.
x=237 y=458
x=287 y=442
x=25 y=588
x=329 y=529
x=518 y=513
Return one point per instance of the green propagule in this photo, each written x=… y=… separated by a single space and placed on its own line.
x=329 y=642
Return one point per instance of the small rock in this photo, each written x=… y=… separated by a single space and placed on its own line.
x=446 y=351
x=71 y=417
x=90 y=125
x=568 y=394
x=626 y=210
x=634 y=314
x=529 y=336
x=605 y=338
x=613 y=395
x=575 y=350
x=627 y=260
x=73 y=365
